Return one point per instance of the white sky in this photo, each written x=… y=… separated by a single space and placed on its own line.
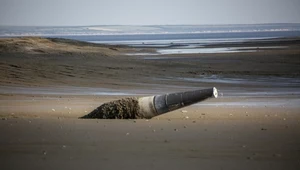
x=147 y=12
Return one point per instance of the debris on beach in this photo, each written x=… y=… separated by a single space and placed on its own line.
x=151 y=106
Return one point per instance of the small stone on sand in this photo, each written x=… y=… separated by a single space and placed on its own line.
x=277 y=155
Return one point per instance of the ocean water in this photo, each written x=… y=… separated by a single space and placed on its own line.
x=158 y=34
x=181 y=39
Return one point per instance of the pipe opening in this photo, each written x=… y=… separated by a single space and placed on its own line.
x=215 y=92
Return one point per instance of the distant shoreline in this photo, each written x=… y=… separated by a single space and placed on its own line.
x=209 y=31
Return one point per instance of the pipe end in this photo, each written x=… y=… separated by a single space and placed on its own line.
x=147 y=108
x=215 y=92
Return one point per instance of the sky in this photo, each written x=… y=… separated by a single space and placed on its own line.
x=146 y=12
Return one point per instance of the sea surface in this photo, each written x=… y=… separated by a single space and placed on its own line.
x=182 y=40
x=159 y=36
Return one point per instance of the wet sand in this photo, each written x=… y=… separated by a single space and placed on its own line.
x=46 y=85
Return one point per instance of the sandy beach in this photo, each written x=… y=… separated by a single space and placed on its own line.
x=47 y=84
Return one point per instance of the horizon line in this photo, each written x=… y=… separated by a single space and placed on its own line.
x=146 y=25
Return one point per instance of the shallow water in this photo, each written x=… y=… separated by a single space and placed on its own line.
x=61 y=90
x=205 y=50
x=294 y=102
x=265 y=81
x=214 y=50
x=242 y=86
x=196 y=42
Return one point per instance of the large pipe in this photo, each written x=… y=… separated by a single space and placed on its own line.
x=156 y=105
x=151 y=106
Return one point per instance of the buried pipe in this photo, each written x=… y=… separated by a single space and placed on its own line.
x=151 y=106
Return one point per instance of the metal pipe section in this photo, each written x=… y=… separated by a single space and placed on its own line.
x=156 y=105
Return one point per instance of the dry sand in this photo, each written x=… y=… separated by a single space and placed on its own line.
x=47 y=84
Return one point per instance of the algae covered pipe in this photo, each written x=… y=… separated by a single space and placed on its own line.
x=151 y=106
